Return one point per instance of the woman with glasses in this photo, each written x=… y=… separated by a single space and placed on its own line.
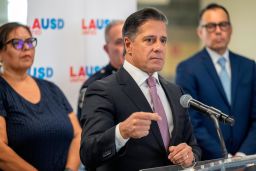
x=38 y=128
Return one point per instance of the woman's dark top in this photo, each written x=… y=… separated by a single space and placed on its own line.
x=39 y=133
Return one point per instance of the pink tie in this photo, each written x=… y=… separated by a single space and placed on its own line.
x=158 y=108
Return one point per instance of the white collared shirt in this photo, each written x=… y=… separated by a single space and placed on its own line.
x=140 y=77
x=215 y=57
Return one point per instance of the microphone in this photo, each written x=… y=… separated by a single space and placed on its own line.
x=187 y=101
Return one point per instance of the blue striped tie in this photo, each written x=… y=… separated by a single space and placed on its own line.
x=225 y=80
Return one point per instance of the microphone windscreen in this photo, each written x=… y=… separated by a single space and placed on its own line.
x=184 y=100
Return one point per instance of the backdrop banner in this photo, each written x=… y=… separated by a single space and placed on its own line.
x=70 y=39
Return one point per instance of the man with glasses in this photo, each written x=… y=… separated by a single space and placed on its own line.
x=225 y=80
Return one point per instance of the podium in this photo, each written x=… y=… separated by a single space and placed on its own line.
x=246 y=163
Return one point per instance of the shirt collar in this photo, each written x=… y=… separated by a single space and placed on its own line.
x=137 y=74
x=215 y=56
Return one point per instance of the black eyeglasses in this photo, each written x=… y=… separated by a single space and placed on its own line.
x=19 y=43
x=211 y=27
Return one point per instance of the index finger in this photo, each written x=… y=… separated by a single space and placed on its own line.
x=149 y=116
x=180 y=147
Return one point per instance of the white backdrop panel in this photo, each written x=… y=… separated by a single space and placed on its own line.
x=71 y=37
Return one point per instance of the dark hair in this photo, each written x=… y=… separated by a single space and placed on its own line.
x=213 y=6
x=6 y=29
x=135 y=20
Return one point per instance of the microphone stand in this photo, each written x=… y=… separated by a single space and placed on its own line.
x=220 y=136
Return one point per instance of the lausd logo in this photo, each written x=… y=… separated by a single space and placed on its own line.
x=90 y=27
x=41 y=72
x=82 y=73
x=46 y=24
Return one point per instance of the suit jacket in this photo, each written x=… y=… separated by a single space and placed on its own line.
x=198 y=77
x=112 y=100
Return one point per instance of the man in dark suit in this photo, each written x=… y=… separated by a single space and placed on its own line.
x=120 y=130
x=230 y=88
x=114 y=48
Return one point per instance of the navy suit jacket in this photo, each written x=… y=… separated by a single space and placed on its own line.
x=198 y=77
x=112 y=100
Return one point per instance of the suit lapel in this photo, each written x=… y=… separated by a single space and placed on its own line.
x=209 y=66
x=235 y=69
x=134 y=93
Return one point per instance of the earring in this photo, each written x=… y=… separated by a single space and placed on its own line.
x=1 y=67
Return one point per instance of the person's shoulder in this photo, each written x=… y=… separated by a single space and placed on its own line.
x=195 y=58
x=241 y=58
x=102 y=73
x=47 y=85
x=44 y=82
x=105 y=83
x=106 y=80
x=194 y=62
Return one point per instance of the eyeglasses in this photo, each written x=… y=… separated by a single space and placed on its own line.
x=19 y=43
x=211 y=27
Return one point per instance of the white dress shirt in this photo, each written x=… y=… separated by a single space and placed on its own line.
x=215 y=57
x=140 y=77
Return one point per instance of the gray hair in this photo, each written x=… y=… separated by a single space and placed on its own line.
x=109 y=26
